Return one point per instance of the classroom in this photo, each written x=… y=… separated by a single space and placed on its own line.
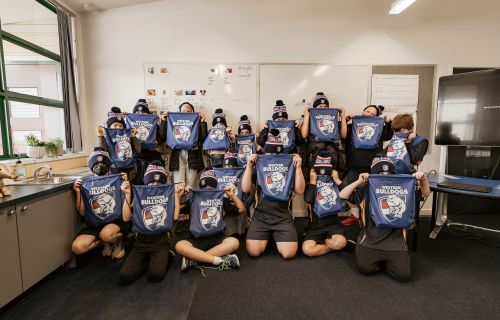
x=323 y=159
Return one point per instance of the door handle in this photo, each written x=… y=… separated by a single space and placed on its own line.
x=24 y=208
x=11 y=212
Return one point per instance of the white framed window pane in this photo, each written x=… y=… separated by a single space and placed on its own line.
x=27 y=69
x=19 y=110
x=24 y=110
x=19 y=139
x=32 y=22
x=49 y=125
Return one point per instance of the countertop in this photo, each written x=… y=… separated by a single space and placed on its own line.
x=21 y=193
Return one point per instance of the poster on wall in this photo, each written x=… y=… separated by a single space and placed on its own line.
x=232 y=87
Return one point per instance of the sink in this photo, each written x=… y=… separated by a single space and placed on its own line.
x=51 y=180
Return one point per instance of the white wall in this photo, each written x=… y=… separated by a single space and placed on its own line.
x=116 y=42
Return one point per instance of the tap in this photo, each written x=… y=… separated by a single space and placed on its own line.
x=47 y=174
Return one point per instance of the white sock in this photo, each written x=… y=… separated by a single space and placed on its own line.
x=217 y=261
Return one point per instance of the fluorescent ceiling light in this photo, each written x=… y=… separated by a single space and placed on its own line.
x=400 y=5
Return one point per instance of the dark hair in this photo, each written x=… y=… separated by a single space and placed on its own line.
x=373 y=106
x=189 y=104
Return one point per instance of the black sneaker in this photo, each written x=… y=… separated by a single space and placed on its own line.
x=230 y=261
x=186 y=263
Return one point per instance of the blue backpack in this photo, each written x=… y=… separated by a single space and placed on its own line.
x=323 y=124
x=398 y=153
x=366 y=131
x=182 y=130
x=275 y=174
x=287 y=133
x=391 y=199
x=226 y=176
x=153 y=209
x=119 y=148
x=206 y=212
x=217 y=139
x=327 y=200
x=147 y=127
x=102 y=199
x=244 y=146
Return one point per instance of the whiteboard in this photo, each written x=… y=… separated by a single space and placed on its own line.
x=398 y=93
x=232 y=87
x=346 y=86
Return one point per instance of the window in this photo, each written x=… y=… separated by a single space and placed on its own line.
x=49 y=125
x=23 y=110
x=25 y=68
x=31 y=99
x=19 y=139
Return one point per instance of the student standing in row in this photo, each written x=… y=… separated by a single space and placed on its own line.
x=122 y=152
x=312 y=147
x=186 y=164
x=290 y=134
x=365 y=138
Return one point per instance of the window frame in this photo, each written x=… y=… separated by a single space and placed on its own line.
x=6 y=95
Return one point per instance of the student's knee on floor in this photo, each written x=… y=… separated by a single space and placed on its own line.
x=288 y=252
x=336 y=242
x=308 y=247
x=156 y=275
x=126 y=276
x=400 y=273
x=254 y=249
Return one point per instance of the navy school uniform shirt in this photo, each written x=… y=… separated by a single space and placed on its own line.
x=379 y=238
x=361 y=159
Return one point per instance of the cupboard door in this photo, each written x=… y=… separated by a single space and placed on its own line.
x=10 y=273
x=46 y=230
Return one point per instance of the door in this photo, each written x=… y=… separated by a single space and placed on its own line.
x=10 y=272
x=46 y=230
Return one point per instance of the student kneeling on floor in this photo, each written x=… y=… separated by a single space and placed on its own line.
x=277 y=175
x=207 y=243
x=155 y=207
x=386 y=244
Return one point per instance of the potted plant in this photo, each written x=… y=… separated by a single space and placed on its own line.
x=36 y=148
x=60 y=145
x=51 y=149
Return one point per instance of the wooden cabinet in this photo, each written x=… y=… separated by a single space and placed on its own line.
x=35 y=239
x=10 y=272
